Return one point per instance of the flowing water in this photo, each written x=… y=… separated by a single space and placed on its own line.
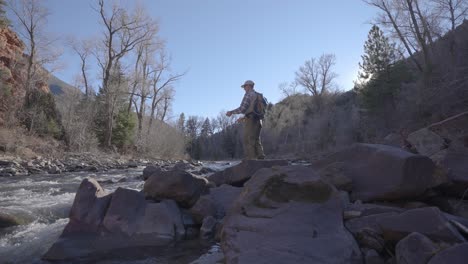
x=42 y=203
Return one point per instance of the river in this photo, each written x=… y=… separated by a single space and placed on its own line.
x=43 y=203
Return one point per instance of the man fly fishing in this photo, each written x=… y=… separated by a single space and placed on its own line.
x=253 y=107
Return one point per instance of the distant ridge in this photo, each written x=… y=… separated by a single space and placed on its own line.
x=58 y=87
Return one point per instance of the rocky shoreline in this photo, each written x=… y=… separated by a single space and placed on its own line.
x=83 y=162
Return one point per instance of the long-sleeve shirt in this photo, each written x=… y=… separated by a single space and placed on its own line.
x=248 y=99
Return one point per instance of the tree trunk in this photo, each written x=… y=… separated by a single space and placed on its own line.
x=400 y=35
x=420 y=37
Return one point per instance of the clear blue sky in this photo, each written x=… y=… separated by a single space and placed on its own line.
x=222 y=43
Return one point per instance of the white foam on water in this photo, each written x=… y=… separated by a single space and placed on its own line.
x=220 y=165
x=33 y=199
x=25 y=244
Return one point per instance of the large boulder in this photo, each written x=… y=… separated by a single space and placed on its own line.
x=380 y=172
x=287 y=215
x=456 y=163
x=336 y=175
x=240 y=173
x=450 y=138
x=101 y=224
x=455 y=255
x=89 y=208
x=426 y=142
x=8 y=220
x=216 y=203
x=205 y=206
x=150 y=170
x=453 y=129
x=415 y=249
x=177 y=185
x=126 y=209
x=162 y=220
x=451 y=205
x=367 y=231
x=428 y=221
x=375 y=230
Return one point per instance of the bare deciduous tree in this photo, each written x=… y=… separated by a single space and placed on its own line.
x=77 y=119
x=140 y=83
x=122 y=33
x=288 y=89
x=453 y=11
x=30 y=21
x=83 y=49
x=167 y=103
x=414 y=23
x=317 y=76
x=161 y=82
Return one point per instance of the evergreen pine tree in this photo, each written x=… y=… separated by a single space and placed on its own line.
x=381 y=74
x=109 y=104
x=206 y=129
x=379 y=54
x=122 y=134
x=181 y=123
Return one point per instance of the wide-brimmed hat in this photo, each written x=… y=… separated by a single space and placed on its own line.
x=248 y=82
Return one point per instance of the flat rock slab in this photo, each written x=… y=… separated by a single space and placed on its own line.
x=427 y=221
x=367 y=209
x=380 y=172
x=239 y=174
x=287 y=215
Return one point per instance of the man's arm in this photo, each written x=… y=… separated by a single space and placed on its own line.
x=242 y=108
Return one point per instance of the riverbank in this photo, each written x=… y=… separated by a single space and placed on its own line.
x=75 y=162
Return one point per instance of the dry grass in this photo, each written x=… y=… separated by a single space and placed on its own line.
x=17 y=142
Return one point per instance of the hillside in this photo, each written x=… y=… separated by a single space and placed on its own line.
x=57 y=86
x=348 y=118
